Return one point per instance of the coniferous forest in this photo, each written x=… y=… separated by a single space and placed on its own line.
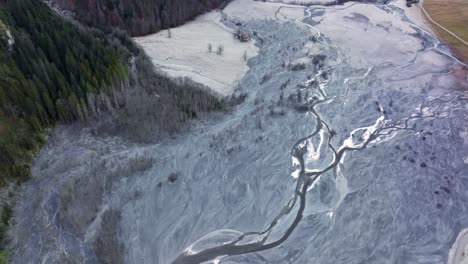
x=47 y=67
x=139 y=17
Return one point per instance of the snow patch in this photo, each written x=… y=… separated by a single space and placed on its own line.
x=5 y=34
x=306 y=2
x=11 y=39
x=246 y=10
x=373 y=42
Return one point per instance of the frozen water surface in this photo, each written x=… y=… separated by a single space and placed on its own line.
x=350 y=147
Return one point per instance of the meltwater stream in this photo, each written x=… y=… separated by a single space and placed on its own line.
x=250 y=242
x=362 y=102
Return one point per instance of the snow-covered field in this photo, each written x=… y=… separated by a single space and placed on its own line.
x=305 y=2
x=185 y=53
x=246 y=10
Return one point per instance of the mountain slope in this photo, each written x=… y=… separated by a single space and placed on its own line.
x=47 y=67
x=53 y=71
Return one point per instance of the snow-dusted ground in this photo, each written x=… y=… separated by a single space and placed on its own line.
x=185 y=53
x=459 y=252
x=369 y=34
x=246 y=10
x=414 y=14
x=305 y=2
x=350 y=147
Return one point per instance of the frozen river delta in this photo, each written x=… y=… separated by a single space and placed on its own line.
x=351 y=146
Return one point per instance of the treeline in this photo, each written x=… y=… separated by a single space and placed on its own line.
x=152 y=107
x=47 y=69
x=52 y=65
x=138 y=17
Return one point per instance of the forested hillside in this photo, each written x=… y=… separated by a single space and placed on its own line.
x=47 y=67
x=137 y=17
x=53 y=71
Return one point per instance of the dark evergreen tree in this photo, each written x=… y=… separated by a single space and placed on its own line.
x=45 y=77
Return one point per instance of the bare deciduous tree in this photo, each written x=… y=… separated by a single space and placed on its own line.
x=220 y=50
x=150 y=106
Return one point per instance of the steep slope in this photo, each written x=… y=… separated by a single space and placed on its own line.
x=139 y=17
x=47 y=67
x=52 y=71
